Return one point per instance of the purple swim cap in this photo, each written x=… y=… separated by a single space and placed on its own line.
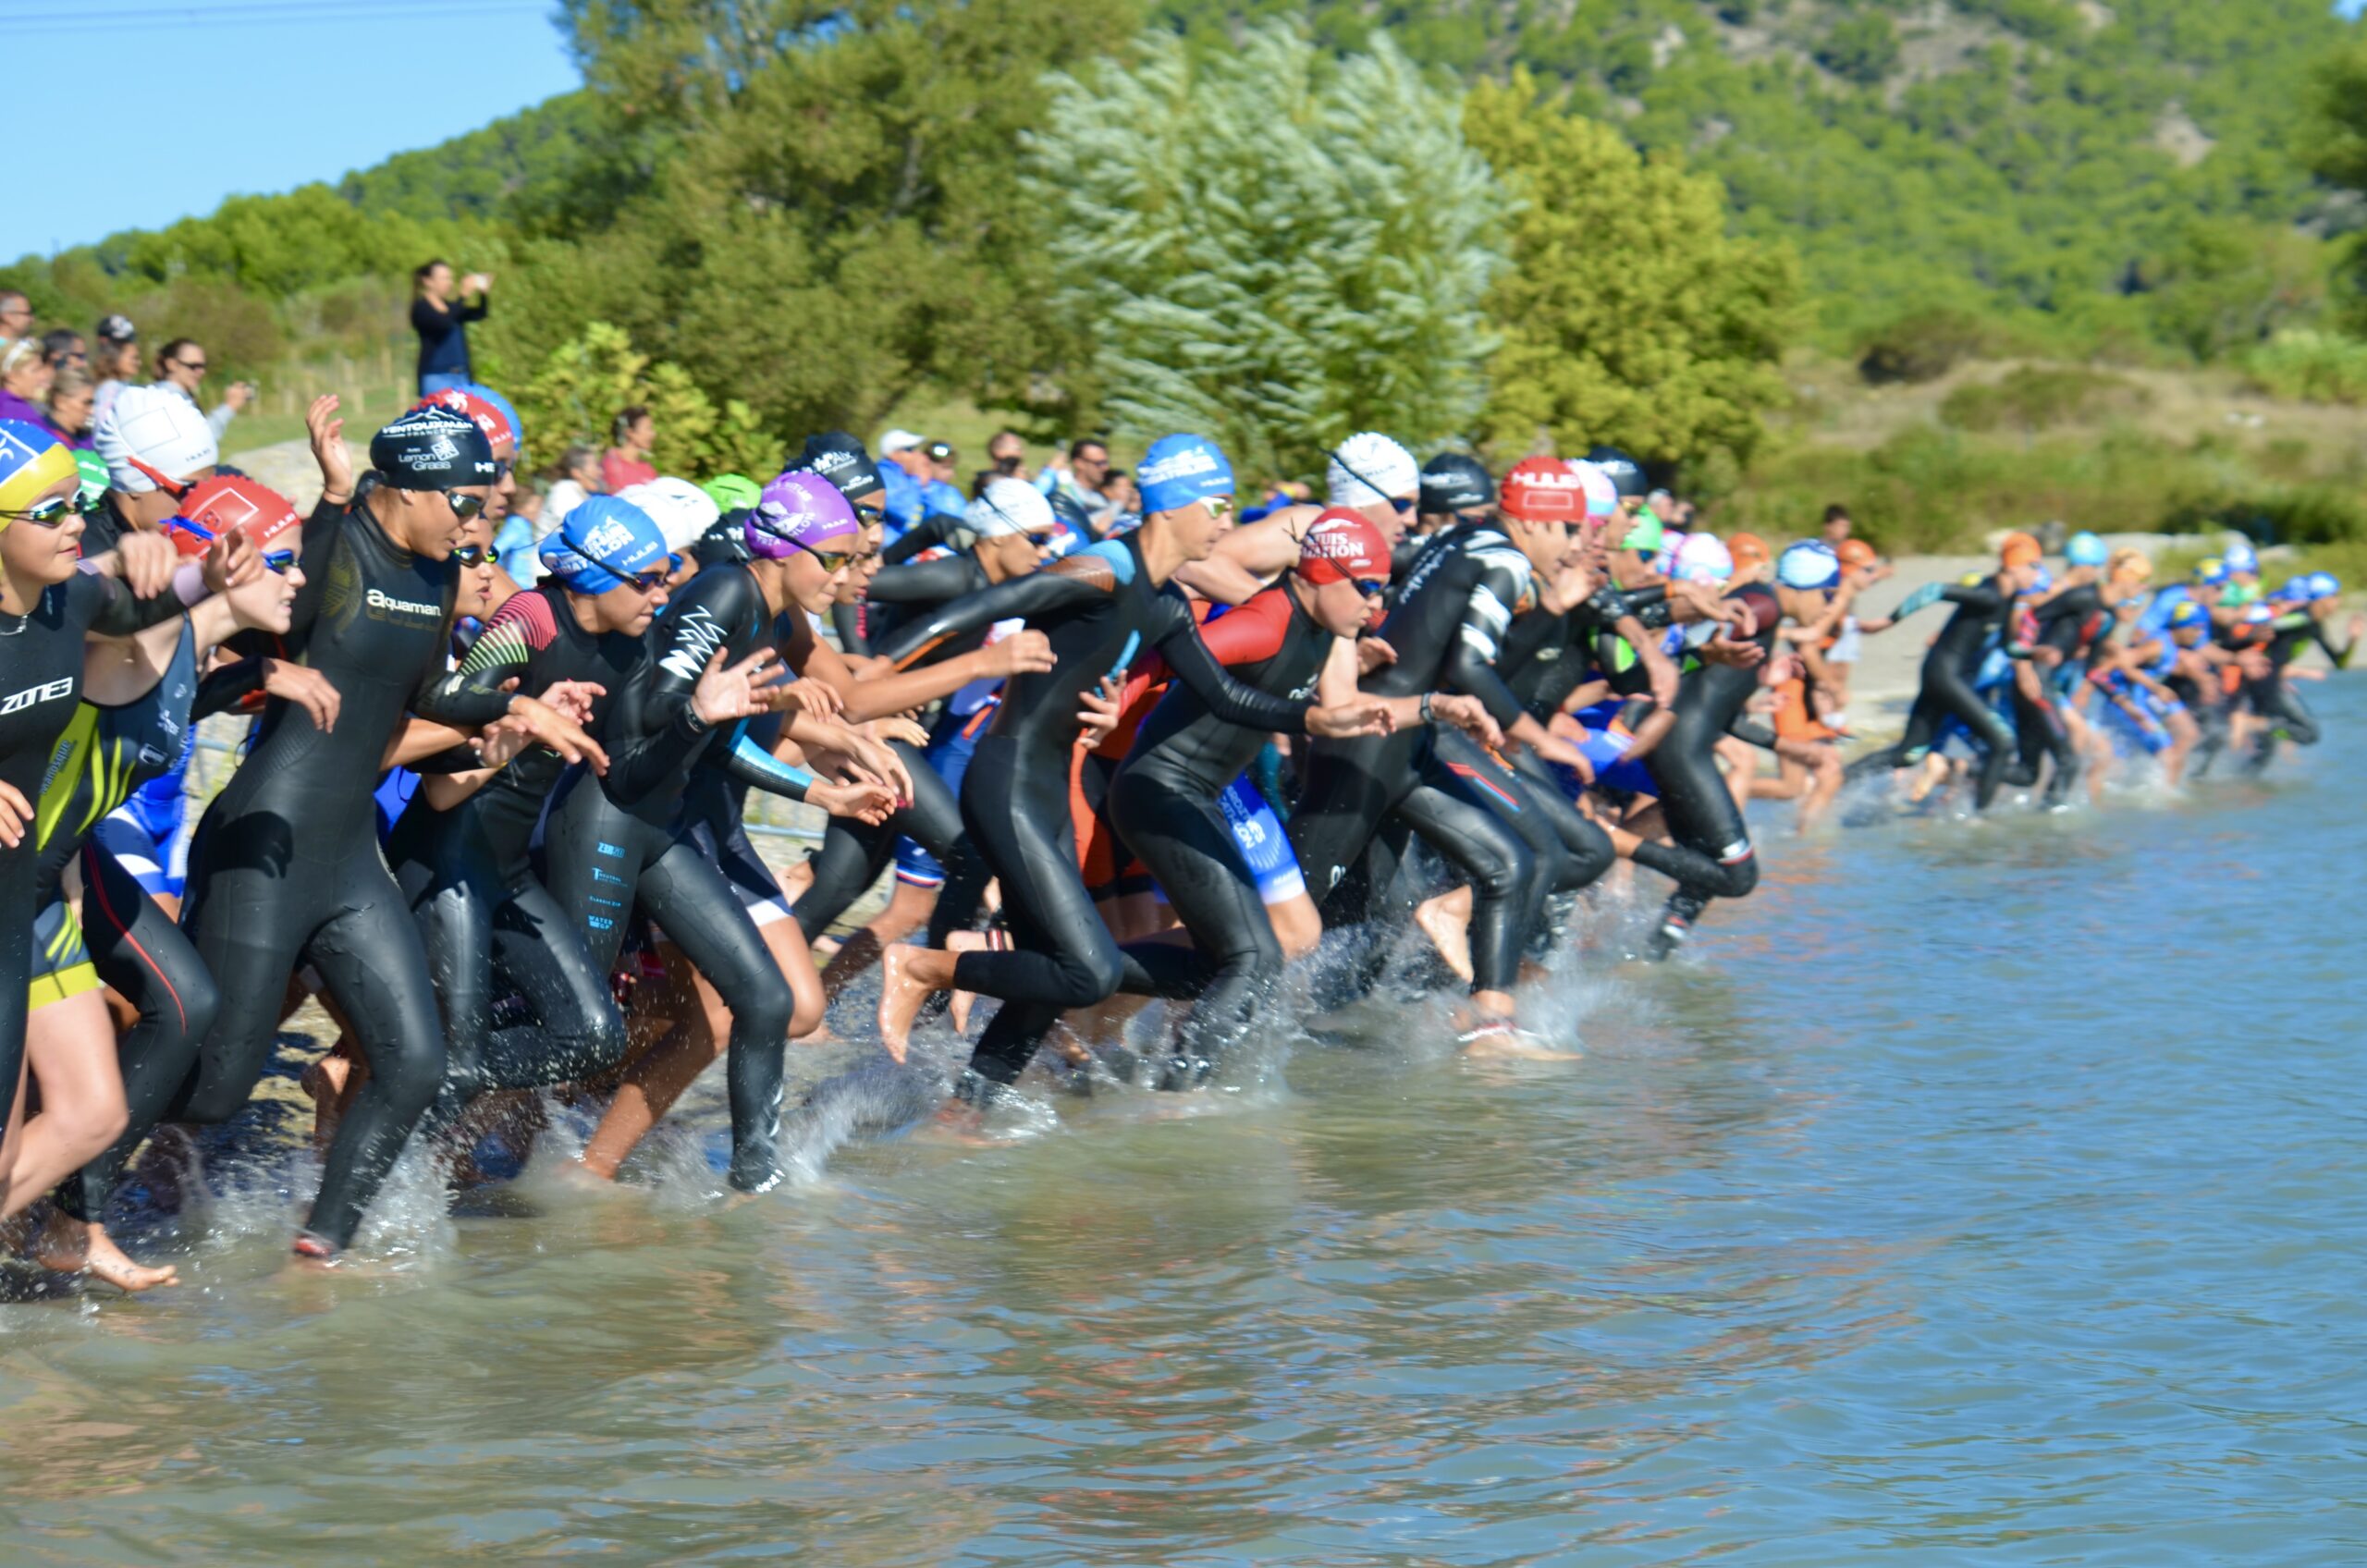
x=798 y=509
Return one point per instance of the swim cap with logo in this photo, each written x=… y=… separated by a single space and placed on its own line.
x=2085 y=549
x=31 y=459
x=1810 y=564
x=840 y=458
x=2212 y=573
x=161 y=428
x=1180 y=469
x=680 y=509
x=1008 y=507
x=2241 y=557
x=1544 y=490
x=1456 y=482
x=429 y=448
x=1341 y=545
x=213 y=507
x=1603 y=495
x=2324 y=585
x=799 y=508
x=1624 y=471
x=472 y=403
x=1368 y=468
x=606 y=541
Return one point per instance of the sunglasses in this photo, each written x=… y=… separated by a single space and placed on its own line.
x=278 y=561
x=464 y=506
x=471 y=554
x=51 y=512
x=197 y=366
x=1369 y=590
x=832 y=560
x=649 y=582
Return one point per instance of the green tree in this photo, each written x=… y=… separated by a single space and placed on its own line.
x=837 y=222
x=1271 y=247
x=1862 y=48
x=1630 y=315
x=578 y=389
x=2333 y=145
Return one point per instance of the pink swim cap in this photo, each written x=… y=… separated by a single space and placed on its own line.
x=798 y=509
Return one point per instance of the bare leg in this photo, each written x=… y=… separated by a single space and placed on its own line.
x=908 y=910
x=1446 y=921
x=908 y=978
x=1296 y=926
x=70 y=1047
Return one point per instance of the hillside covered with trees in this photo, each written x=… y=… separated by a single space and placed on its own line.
x=1523 y=220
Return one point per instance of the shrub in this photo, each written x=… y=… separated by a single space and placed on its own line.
x=2315 y=367
x=579 y=387
x=1922 y=345
x=2036 y=398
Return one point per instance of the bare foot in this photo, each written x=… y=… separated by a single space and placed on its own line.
x=1449 y=929
x=69 y=1246
x=900 y=998
x=1500 y=1040
x=969 y=942
x=957 y=1121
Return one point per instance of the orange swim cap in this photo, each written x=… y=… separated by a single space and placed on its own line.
x=1855 y=554
x=1748 y=546
x=2019 y=549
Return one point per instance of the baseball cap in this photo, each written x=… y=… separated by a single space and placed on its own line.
x=116 y=329
x=899 y=441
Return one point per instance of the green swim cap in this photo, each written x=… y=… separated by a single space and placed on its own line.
x=732 y=492
x=94 y=476
x=1646 y=534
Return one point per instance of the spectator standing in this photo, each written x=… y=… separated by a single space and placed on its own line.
x=70 y=394
x=905 y=476
x=442 y=319
x=16 y=317
x=1082 y=479
x=116 y=364
x=181 y=366
x=939 y=494
x=63 y=347
x=632 y=433
x=1837 y=526
x=24 y=382
x=576 y=480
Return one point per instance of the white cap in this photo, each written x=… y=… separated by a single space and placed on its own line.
x=1602 y=494
x=680 y=509
x=160 y=427
x=1007 y=507
x=1369 y=467
x=898 y=441
x=1703 y=557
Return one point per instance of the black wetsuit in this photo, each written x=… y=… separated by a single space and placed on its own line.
x=1949 y=670
x=105 y=754
x=2039 y=730
x=611 y=841
x=1711 y=856
x=2273 y=696
x=1099 y=610
x=1164 y=803
x=467 y=875
x=1362 y=798
x=40 y=684
x=286 y=869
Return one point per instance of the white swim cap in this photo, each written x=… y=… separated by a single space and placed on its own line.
x=1369 y=467
x=1603 y=495
x=1007 y=507
x=162 y=429
x=1703 y=557
x=680 y=509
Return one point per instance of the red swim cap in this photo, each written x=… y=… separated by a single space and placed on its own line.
x=1544 y=490
x=234 y=501
x=498 y=433
x=1342 y=545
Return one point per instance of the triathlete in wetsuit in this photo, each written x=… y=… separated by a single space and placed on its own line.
x=287 y=868
x=1953 y=661
x=463 y=863
x=2299 y=615
x=1166 y=800
x=1100 y=608
x=1711 y=857
x=48 y=607
x=611 y=840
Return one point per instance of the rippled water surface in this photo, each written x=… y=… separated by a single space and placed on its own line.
x=1975 y=1192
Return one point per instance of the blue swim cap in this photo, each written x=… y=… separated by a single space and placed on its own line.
x=605 y=541
x=2043 y=580
x=2085 y=549
x=1180 y=469
x=2186 y=613
x=2212 y=573
x=2324 y=585
x=1810 y=564
x=2241 y=557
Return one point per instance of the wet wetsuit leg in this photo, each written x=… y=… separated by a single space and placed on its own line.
x=696 y=909
x=1713 y=856
x=139 y=951
x=1234 y=961
x=1587 y=847
x=2039 y=733
x=1066 y=957
x=1447 y=810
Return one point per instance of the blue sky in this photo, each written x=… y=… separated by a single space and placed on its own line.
x=165 y=106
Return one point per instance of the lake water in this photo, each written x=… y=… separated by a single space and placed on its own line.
x=1974 y=1193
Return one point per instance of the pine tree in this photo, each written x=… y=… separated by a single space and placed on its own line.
x=1271 y=247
